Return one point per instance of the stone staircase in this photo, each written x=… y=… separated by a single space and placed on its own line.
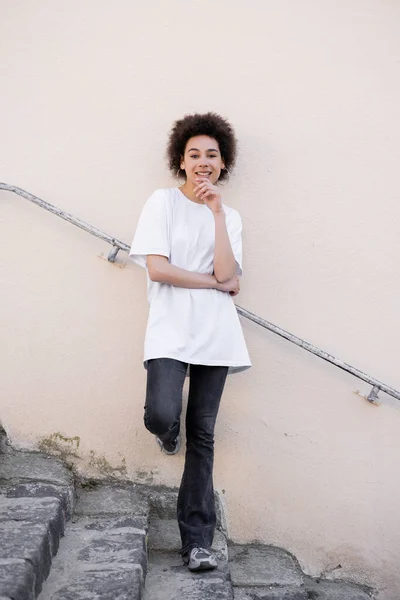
x=119 y=541
x=37 y=497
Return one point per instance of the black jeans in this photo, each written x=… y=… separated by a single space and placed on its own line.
x=165 y=379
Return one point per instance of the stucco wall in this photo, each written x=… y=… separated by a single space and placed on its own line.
x=89 y=91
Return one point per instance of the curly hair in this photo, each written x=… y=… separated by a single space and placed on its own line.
x=209 y=124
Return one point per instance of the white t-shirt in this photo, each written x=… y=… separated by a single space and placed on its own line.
x=195 y=326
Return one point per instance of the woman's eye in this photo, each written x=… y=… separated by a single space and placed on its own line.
x=195 y=156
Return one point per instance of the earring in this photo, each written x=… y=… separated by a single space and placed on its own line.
x=228 y=175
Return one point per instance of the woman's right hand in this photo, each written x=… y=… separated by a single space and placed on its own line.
x=232 y=286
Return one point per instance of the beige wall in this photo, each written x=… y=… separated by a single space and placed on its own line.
x=89 y=91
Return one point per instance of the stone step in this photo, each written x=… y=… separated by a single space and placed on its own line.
x=322 y=591
x=169 y=579
x=36 y=499
x=100 y=558
x=164 y=537
x=262 y=572
x=278 y=593
x=246 y=572
x=103 y=555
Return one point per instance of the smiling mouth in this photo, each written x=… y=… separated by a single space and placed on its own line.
x=203 y=173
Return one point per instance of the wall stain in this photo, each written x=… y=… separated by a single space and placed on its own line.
x=105 y=468
x=61 y=446
x=67 y=449
x=145 y=476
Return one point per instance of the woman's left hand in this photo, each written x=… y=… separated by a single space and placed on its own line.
x=209 y=193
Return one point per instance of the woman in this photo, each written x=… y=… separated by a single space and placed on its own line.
x=191 y=245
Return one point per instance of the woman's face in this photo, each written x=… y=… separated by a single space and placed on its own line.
x=202 y=159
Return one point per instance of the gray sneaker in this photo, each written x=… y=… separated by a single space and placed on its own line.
x=170 y=447
x=200 y=559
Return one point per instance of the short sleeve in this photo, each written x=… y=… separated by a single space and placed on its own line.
x=151 y=235
x=234 y=227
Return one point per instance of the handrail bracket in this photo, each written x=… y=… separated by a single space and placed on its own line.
x=113 y=253
x=373 y=395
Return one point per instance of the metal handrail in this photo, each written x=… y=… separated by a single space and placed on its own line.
x=117 y=245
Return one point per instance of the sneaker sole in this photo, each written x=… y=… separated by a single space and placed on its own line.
x=203 y=568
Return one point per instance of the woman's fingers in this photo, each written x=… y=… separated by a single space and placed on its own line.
x=202 y=184
x=200 y=189
x=206 y=190
x=207 y=193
